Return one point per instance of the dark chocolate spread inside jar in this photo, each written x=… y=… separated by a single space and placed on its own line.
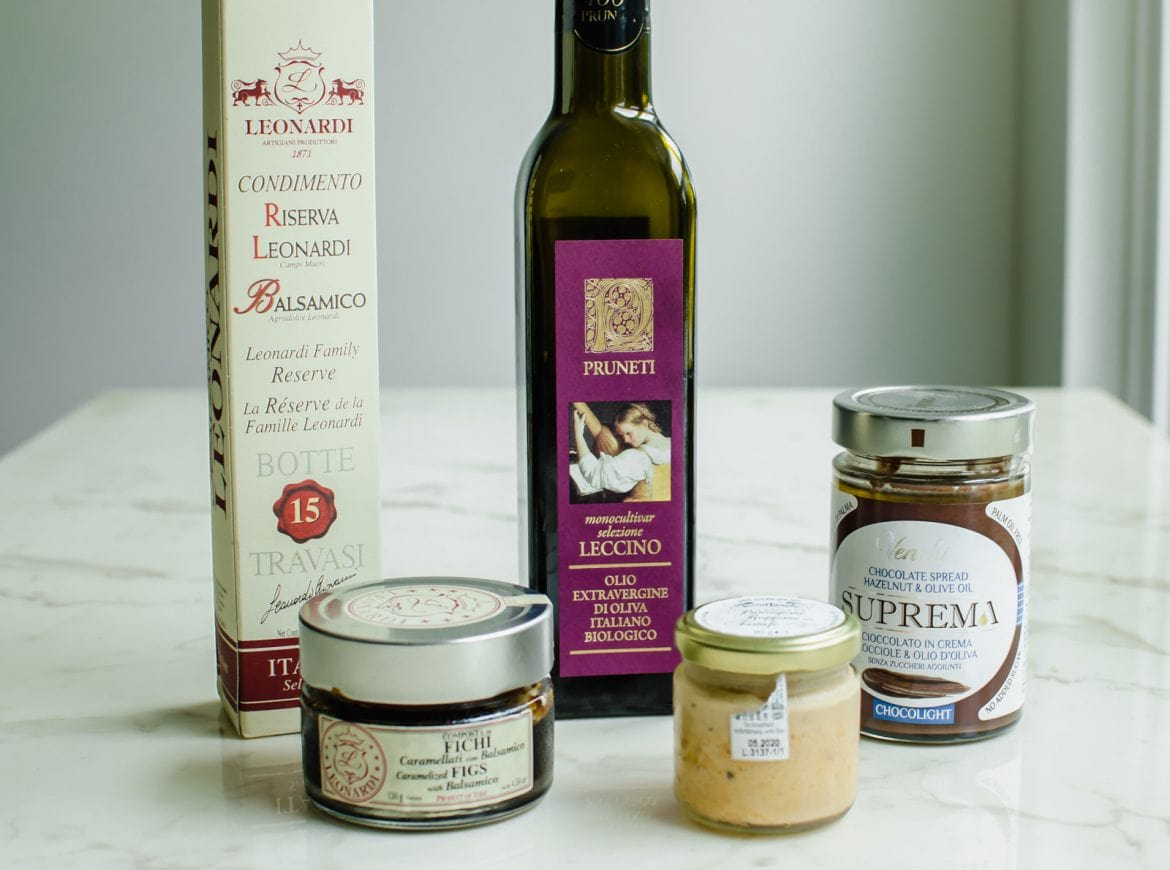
x=931 y=530
x=426 y=702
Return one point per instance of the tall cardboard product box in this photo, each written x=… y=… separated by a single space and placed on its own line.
x=292 y=343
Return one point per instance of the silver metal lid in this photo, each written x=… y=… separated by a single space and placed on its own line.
x=933 y=423
x=426 y=640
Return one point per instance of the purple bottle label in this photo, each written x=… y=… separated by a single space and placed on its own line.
x=621 y=370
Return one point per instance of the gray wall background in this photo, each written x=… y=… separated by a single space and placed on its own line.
x=858 y=165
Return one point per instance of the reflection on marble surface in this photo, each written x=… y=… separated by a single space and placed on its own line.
x=116 y=754
x=263 y=777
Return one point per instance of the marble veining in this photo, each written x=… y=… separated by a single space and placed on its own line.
x=115 y=753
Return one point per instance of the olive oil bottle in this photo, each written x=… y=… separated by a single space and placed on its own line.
x=605 y=230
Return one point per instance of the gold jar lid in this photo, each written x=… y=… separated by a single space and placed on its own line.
x=768 y=634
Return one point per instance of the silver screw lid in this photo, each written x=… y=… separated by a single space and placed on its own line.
x=933 y=422
x=426 y=640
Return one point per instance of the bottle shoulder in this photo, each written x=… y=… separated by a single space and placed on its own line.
x=607 y=151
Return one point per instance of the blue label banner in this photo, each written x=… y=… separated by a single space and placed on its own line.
x=944 y=715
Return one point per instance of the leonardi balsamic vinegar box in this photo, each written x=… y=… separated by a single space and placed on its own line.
x=292 y=357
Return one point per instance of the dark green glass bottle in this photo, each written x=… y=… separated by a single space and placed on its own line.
x=605 y=228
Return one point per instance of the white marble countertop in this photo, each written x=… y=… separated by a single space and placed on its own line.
x=113 y=751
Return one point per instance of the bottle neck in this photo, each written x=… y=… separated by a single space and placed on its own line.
x=602 y=56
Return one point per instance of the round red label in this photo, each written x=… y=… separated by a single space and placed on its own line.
x=305 y=511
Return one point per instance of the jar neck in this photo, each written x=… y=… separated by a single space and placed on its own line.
x=992 y=468
x=539 y=694
x=763 y=685
x=602 y=56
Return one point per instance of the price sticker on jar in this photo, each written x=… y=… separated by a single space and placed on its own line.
x=762 y=735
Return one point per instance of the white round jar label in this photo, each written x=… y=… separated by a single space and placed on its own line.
x=769 y=616
x=425 y=606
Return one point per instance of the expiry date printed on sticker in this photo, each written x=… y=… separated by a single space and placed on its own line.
x=762 y=735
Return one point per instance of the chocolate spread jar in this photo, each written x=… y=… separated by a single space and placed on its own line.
x=426 y=702
x=931 y=528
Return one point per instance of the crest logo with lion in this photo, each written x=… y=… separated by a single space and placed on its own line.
x=299 y=84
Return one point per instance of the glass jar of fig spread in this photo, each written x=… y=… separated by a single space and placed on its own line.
x=426 y=702
x=931 y=527
x=765 y=713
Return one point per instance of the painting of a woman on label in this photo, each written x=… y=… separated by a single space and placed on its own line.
x=624 y=459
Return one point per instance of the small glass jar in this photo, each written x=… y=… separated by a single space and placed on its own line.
x=931 y=531
x=426 y=702
x=765 y=714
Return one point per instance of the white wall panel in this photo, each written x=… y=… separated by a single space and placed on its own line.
x=856 y=167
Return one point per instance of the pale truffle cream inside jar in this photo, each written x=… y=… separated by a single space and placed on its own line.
x=766 y=713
